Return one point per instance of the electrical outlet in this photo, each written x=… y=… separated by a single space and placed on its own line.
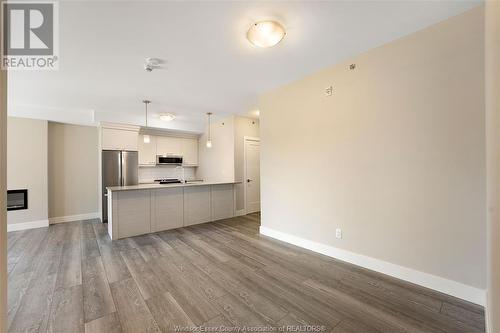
x=338 y=233
x=329 y=91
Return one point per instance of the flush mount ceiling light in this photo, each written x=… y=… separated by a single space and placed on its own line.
x=147 y=139
x=167 y=116
x=266 y=33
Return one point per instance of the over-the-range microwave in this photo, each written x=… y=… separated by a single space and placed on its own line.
x=168 y=160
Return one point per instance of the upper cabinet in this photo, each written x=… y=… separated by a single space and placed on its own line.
x=119 y=137
x=166 y=145
x=147 y=151
x=189 y=152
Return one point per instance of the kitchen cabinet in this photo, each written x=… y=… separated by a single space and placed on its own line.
x=147 y=151
x=133 y=206
x=222 y=199
x=167 y=209
x=189 y=149
x=166 y=145
x=197 y=205
x=119 y=139
x=148 y=208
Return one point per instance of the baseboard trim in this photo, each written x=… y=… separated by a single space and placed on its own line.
x=27 y=225
x=450 y=287
x=240 y=212
x=72 y=218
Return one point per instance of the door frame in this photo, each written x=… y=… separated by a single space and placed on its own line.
x=249 y=139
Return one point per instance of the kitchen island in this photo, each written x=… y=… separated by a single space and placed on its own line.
x=145 y=208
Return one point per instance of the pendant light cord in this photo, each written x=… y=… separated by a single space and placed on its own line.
x=209 y=114
x=146 y=102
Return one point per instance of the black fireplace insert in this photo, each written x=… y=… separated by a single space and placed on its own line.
x=17 y=199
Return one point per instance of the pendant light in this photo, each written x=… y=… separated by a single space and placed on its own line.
x=209 y=139
x=147 y=139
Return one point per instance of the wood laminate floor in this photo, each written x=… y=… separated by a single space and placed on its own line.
x=71 y=277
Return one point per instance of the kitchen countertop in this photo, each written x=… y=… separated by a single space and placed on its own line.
x=157 y=185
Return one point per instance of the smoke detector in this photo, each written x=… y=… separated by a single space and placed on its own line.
x=152 y=63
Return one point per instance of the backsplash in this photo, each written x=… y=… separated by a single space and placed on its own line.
x=149 y=174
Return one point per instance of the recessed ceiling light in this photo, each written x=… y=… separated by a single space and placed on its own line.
x=167 y=116
x=265 y=33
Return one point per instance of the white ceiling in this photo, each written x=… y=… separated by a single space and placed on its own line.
x=210 y=66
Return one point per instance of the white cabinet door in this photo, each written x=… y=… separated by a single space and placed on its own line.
x=222 y=201
x=133 y=213
x=167 y=206
x=147 y=151
x=196 y=205
x=168 y=145
x=117 y=139
x=190 y=151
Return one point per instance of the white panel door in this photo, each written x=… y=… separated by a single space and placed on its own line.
x=147 y=151
x=166 y=145
x=252 y=176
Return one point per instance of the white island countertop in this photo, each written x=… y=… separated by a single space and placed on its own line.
x=157 y=185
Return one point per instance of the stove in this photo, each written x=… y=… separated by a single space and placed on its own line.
x=168 y=181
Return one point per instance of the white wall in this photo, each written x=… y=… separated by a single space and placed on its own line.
x=225 y=160
x=217 y=163
x=73 y=170
x=242 y=127
x=396 y=157
x=27 y=167
x=493 y=161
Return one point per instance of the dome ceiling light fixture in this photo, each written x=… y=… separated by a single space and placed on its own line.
x=167 y=116
x=266 y=33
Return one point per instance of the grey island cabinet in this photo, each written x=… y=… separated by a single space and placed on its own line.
x=146 y=208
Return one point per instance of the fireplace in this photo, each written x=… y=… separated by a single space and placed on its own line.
x=17 y=199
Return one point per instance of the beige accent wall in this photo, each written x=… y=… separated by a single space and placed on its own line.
x=27 y=167
x=396 y=157
x=73 y=170
x=492 y=25
x=242 y=127
x=3 y=203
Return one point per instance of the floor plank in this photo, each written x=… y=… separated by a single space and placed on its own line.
x=168 y=313
x=97 y=299
x=107 y=324
x=66 y=314
x=132 y=310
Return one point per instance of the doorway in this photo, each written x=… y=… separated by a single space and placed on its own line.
x=252 y=175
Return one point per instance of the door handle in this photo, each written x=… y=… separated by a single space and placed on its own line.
x=249 y=180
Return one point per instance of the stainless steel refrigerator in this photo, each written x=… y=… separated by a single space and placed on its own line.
x=119 y=168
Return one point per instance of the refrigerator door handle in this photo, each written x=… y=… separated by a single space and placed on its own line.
x=120 y=172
